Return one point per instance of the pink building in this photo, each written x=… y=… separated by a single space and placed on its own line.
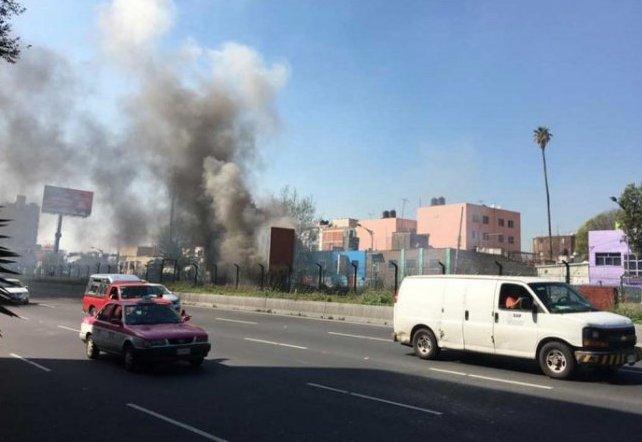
x=382 y=232
x=482 y=227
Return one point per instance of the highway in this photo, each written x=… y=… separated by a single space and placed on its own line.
x=288 y=378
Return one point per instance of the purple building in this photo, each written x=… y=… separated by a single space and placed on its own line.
x=610 y=258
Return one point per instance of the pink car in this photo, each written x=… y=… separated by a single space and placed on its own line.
x=143 y=331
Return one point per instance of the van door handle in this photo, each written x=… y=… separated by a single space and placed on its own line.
x=466 y=315
x=496 y=317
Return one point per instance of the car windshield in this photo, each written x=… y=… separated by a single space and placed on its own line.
x=148 y=314
x=138 y=291
x=160 y=290
x=560 y=298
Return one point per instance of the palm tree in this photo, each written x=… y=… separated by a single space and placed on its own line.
x=542 y=136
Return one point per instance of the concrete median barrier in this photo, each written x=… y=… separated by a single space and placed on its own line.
x=372 y=314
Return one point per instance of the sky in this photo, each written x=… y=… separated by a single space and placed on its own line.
x=388 y=101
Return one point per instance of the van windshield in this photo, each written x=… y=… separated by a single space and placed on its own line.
x=559 y=297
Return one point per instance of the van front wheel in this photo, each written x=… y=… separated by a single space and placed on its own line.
x=556 y=360
x=425 y=344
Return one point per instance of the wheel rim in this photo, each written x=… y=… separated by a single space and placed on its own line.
x=424 y=344
x=556 y=361
x=90 y=346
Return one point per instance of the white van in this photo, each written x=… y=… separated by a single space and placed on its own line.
x=513 y=316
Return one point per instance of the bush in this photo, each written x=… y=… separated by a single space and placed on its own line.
x=633 y=311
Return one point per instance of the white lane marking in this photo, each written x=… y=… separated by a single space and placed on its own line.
x=441 y=370
x=348 y=335
x=25 y=318
x=46 y=305
x=236 y=320
x=280 y=344
x=69 y=328
x=323 y=387
x=376 y=399
x=177 y=423
x=525 y=384
x=35 y=364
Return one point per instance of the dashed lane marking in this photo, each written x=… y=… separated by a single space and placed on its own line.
x=35 y=364
x=280 y=344
x=64 y=327
x=376 y=399
x=176 y=423
x=348 y=335
x=237 y=321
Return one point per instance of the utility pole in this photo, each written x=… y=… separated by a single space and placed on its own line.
x=58 y=235
x=403 y=206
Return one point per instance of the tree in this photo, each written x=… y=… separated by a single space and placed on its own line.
x=302 y=211
x=9 y=45
x=630 y=217
x=5 y=258
x=542 y=136
x=603 y=221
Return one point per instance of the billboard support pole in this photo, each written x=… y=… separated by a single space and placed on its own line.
x=58 y=235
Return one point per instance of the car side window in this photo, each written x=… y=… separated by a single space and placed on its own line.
x=105 y=314
x=514 y=297
x=94 y=288
x=117 y=314
x=113 y=293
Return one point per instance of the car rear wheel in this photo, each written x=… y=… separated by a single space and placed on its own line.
x=556 y=360
x=425 y=344
x=91 y=350
x=129 y=359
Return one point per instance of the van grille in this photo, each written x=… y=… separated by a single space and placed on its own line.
x=620 y=338
x=180 y=341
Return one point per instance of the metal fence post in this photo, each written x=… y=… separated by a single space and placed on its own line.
x=214 y=274
x=500 y=268
x=394 y=264
x=443 y=267
x=568 y=271
x=195 y=273
x=355 y=265
x=162 y=268
x=262 y=275
x=238 y=268
x=320 y=275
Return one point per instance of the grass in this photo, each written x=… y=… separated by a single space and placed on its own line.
x=369 y=297
x=633 y=311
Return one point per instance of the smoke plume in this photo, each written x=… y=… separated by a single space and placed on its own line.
x=190 y=133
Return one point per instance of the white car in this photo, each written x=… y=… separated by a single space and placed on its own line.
x=167 y=294
x=14 y=291
x=549 y=322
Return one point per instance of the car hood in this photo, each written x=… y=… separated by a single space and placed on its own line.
x=599 y=319
x=168 y=331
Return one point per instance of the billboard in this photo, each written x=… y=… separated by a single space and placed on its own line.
x=64 y=201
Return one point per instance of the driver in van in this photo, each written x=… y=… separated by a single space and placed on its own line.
x=513 y=302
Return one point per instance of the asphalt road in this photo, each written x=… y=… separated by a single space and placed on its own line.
x=288 y=378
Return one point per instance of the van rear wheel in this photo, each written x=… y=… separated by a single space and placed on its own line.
x=556 y=360
x=425 y=344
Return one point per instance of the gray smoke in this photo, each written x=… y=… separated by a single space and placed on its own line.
x=191 y=129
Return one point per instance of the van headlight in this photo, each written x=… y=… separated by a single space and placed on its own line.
x=594 y=338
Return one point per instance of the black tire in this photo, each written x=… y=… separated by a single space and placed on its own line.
x=129 y=359
x=196 y=362
x=424 y=344
x=91 y=350
x=557 y=360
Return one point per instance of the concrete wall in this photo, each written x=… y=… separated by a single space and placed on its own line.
x=602 y=298
x=579 y=272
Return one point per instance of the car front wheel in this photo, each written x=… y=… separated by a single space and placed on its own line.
x=556 y=360
x=129 y=359
x=91 y=349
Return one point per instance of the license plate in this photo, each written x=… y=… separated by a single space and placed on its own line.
x=183 y=351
